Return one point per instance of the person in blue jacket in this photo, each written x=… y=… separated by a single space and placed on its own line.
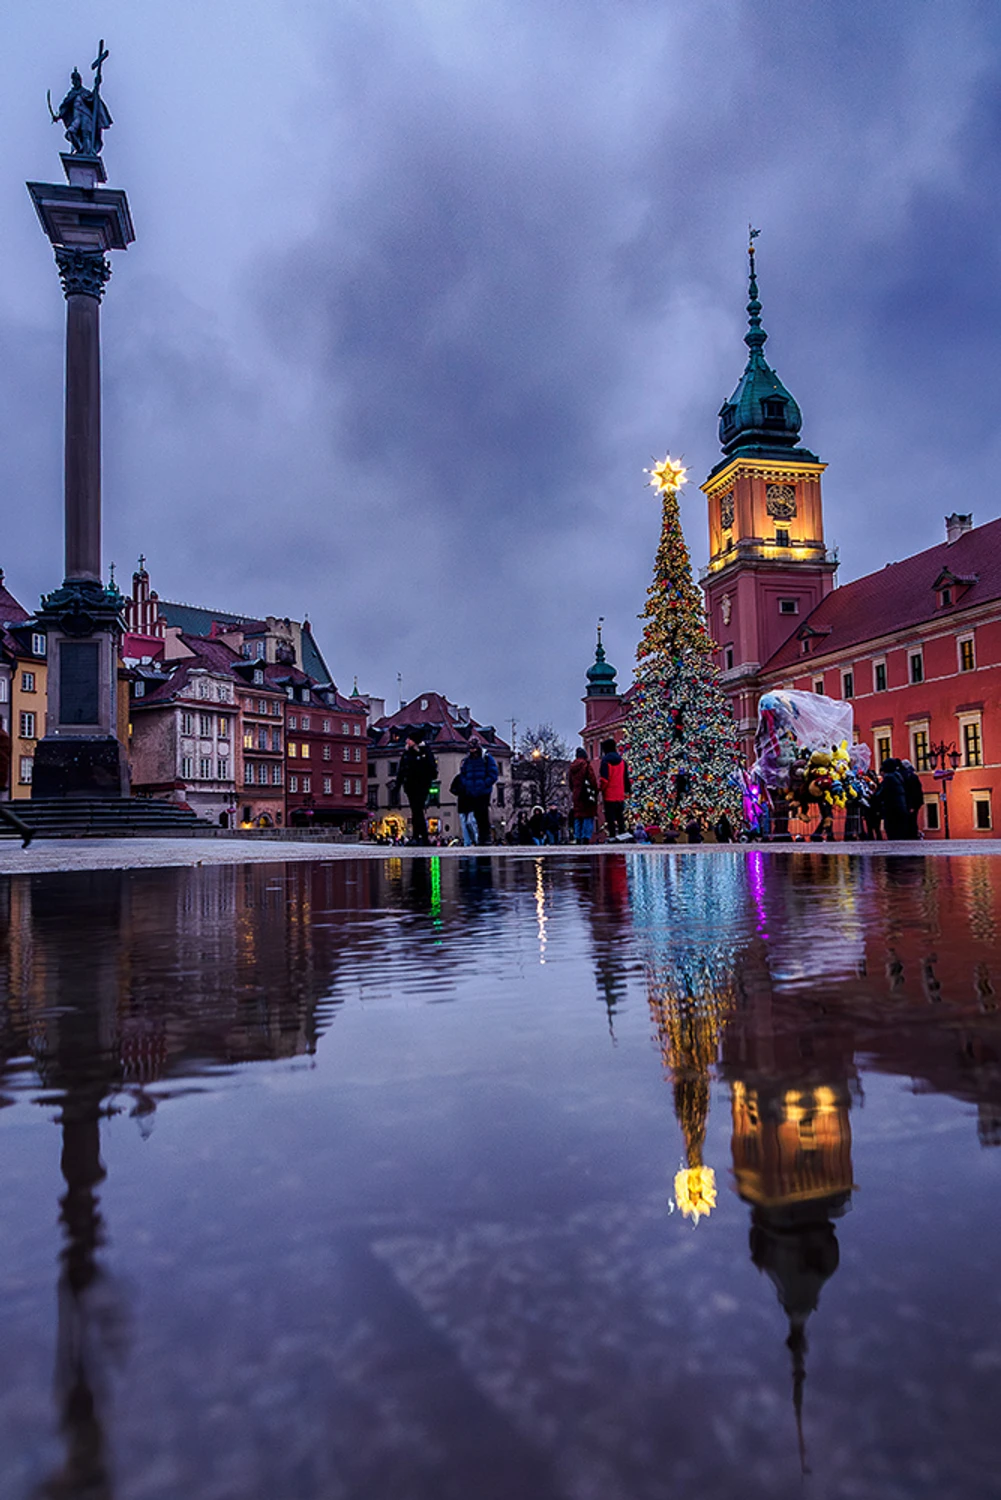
x=477 y=775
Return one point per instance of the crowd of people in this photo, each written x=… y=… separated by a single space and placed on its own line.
x=888 y=806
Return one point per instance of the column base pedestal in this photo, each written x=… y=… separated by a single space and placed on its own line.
x=71 y=767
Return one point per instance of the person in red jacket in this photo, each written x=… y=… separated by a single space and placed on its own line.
x=584 y=795
x=613 y=778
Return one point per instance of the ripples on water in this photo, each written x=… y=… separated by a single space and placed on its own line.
x=505 y=1177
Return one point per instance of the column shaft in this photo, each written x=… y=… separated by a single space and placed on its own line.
x=83 y=437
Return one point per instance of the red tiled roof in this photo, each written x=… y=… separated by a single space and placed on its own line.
x=900 y=596
x=439 y=712
x=11 y=613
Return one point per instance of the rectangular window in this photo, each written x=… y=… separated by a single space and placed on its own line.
x=326 y=752
x=884 y=749
x=248 y=739
x=917 y=667
x=345 y=729
x=262 y=705
x=932 y=822
x=394 y=765
x=187 y=767
x=357 y=786
x=781 y=536
x=304 y=750
x=728 y=658
x=307 y=782
x=347 y=786
x=327 y=786
x=967 y=657
x=500 y=795
x=139 y=689
x=38 y=643
x=879 y=676
x=203 y=689
x=3 y=690
x=346 y=754
x=326 y=726
x=292 y=749
x=305 y=722
x=293 y=783
x=205 y=726
x=27 y=726
x=293 y=722
x=848 y=684
x=25 y=765
x=27 y=682
x=818 y=684
x=788 y=606
x=262 y=737
x=373 y=797
x=276 y=739
x=222 y=692
x=982 y=810
x=205 y=768
x=972 y=747
x=919 y=748
x=222 y=769
x=249 y=773
x=258 y=677
x=358 y=729
x=358 y=754
x=276 y=775
x=223 y=728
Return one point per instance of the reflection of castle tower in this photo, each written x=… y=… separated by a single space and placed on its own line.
x=791 y=1147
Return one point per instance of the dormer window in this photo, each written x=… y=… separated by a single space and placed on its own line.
x=726 y=418
x=945 y=597
x=773 y=409
x=258 y=676
x=806 y=645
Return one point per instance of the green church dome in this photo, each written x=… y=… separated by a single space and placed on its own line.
x=761 y=419
x=601 y=676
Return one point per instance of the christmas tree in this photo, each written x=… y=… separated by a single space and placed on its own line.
x=682 y=738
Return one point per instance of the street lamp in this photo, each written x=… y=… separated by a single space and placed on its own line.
x=938 y=757
x=541 y=776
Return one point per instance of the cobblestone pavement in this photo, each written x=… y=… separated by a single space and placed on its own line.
x=47 y=855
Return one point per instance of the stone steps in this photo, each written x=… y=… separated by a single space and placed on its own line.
x=73 y=817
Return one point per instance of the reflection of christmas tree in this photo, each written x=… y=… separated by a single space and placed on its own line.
x=682 y=738
x=690 y=1002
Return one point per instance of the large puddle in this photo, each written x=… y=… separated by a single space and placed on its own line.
x=624 y=1178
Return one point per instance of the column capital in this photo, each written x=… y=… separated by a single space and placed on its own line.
x=82 y=272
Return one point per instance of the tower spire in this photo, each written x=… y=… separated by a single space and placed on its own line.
x=755 y=337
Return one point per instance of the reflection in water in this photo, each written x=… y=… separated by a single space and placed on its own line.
x=789 y=980
x=691 y=987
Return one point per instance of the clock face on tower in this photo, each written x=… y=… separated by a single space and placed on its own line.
x=780 y=501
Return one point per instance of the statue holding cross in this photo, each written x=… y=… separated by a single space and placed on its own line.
x=83 y=111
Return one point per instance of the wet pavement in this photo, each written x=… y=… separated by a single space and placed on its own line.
x=652 y=1174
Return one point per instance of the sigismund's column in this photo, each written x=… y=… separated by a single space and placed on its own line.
x=80 y=755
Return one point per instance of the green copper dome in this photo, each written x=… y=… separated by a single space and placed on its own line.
x=601 y=676
x=761 y=418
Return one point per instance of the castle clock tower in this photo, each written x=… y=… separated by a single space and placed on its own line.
x=768 y=562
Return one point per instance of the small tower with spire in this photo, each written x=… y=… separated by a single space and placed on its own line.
x=768 y=561
x=603 y=705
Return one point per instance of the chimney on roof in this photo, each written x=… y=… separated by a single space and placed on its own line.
x=957 y=526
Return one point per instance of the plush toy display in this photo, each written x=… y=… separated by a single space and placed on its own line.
x=805 y=753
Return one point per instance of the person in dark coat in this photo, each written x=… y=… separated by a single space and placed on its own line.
x=477 y=775
x=24 y=833
x=693 y=828
x=537 y=826
x=893 y=801
x=417 y=774
x=613 y=778
x=583 y=786
x=915 y=795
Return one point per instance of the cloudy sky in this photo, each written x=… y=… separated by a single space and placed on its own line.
x=419 y=288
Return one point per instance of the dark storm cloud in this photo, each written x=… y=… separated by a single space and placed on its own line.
x=420 y=289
